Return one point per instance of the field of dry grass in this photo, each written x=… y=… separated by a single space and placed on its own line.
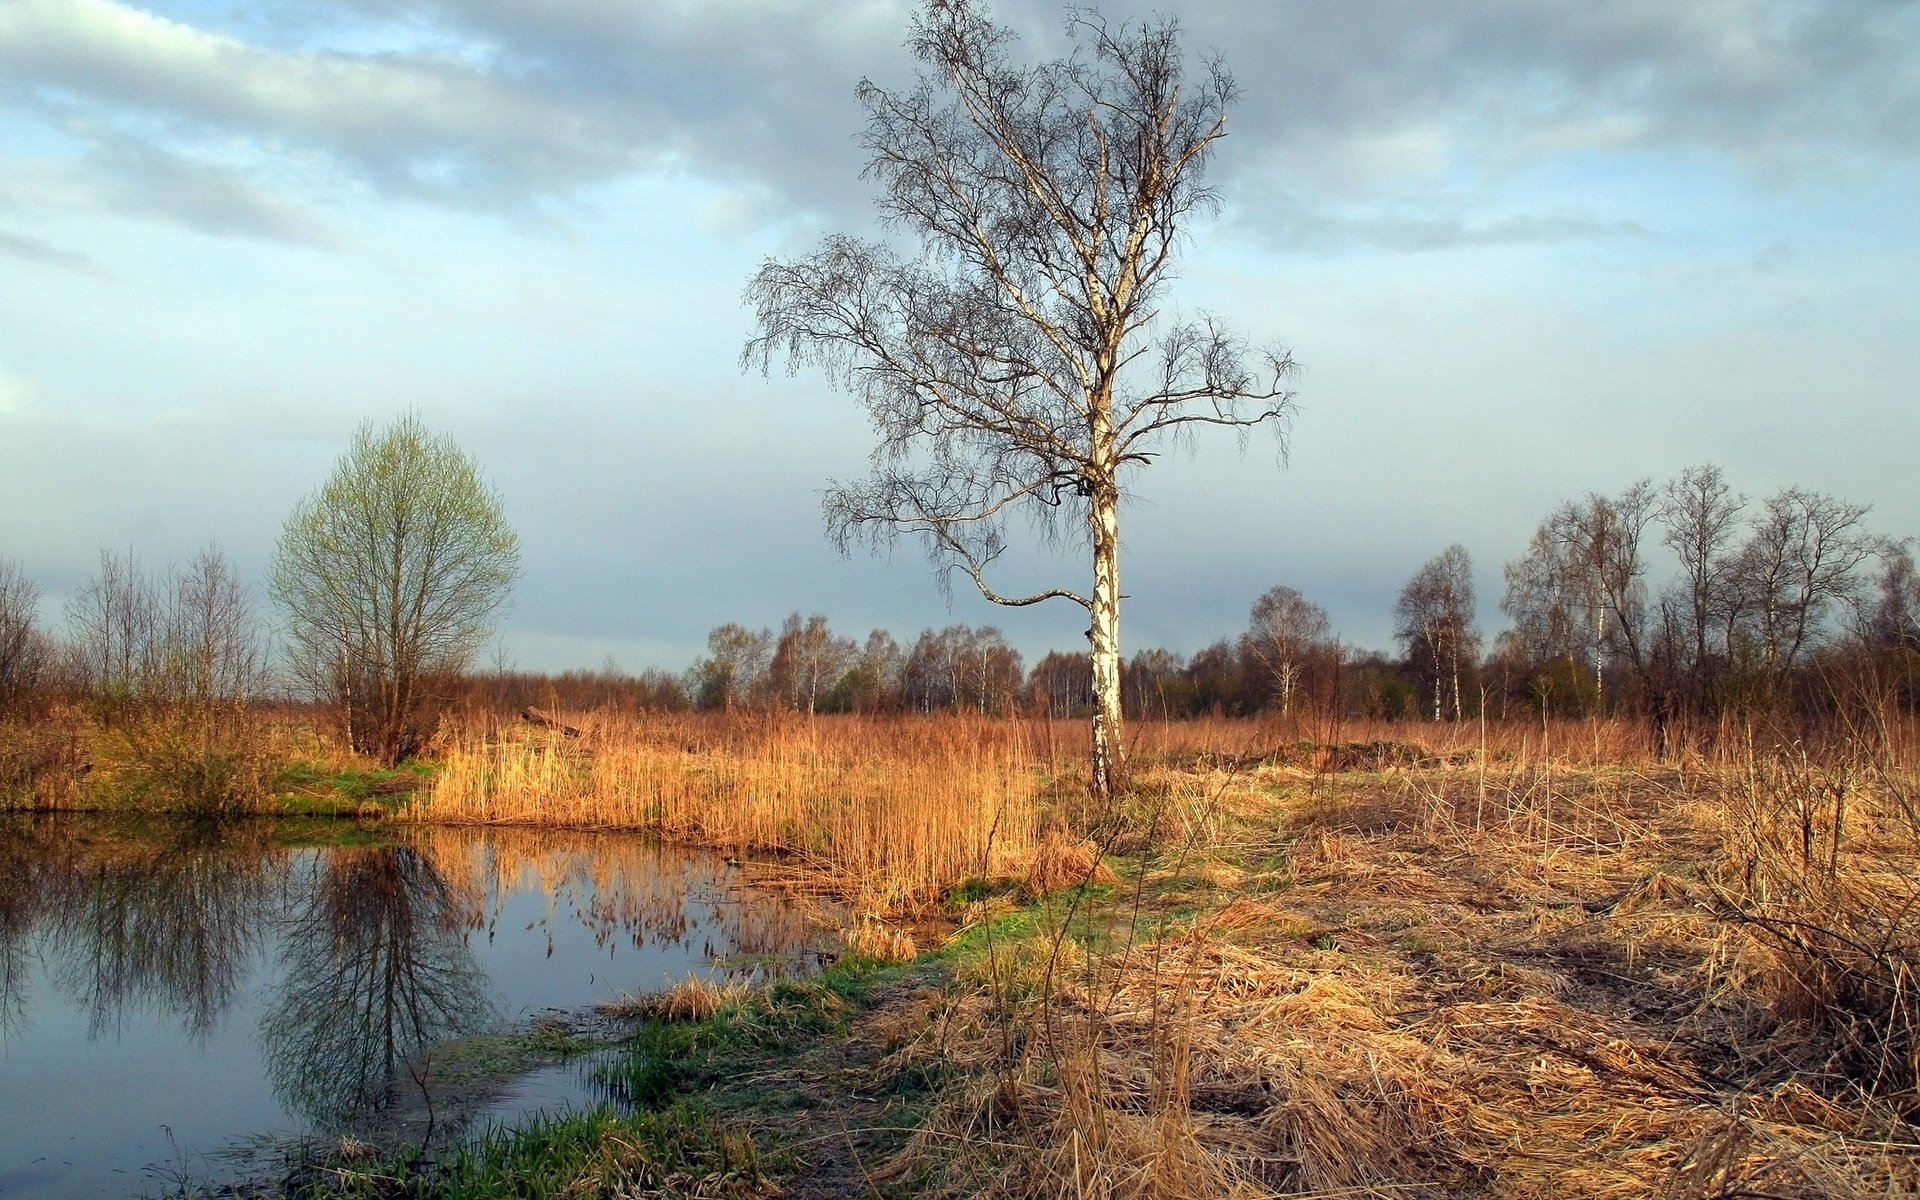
x=887 y=813
x=1541 y=981
x=1338 y=962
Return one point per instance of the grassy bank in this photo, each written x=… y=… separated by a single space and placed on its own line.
x=1345 y=970
x=1513 y=961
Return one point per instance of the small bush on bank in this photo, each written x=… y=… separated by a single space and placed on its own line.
x=41 y=765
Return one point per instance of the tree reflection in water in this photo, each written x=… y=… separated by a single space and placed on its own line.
x=626 y=888
x=373 y=970
x=171 y=924
x=25 y=865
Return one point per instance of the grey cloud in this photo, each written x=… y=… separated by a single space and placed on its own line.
x=1776 y=84
x=528 y=107
x=210 y=198
x=1303 y=228
x=34 y=250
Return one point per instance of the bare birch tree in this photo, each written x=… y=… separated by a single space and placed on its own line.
x=1581 y=587
x=24 y=653
x=1434 y=621
x=1020 y=363
x=1285 y=630
x=1803 y=558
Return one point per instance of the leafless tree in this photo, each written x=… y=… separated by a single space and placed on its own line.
x=872 y=683
x=1285 y=631
x=1434 y=622
x=735 y=668
x=1061 y=685
x=1701 y=516
x=808 y=660
x=114 y=622
x=1020 y=362
x=214 y=654
x=1895 y=623
x=1803 y=557
x=1581 y=587
x=24 y=652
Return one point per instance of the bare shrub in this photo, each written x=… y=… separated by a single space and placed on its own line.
x=41 y=765
x=1820 y=873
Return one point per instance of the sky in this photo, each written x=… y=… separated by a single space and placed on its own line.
x=1522 y=250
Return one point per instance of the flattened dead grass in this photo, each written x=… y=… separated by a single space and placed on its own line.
x=1597 y=984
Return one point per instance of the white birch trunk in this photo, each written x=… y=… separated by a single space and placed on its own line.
x=1109 y=751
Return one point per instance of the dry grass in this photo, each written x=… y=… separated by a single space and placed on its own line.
x=41 y=764
x=1535 y=980
x=871 y=938
x=692 y=999
x=888 y=813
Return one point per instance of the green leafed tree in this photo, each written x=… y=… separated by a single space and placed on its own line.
x=390 y=577
x=1014 y=348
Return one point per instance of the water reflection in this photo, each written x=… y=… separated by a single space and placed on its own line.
x=171 y=925
x=374 y=970
x=620 y=890
x=213 y=982
x=164 y=919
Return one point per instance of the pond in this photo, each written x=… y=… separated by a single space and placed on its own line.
x=173 y=993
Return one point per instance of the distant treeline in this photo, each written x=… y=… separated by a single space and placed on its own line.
x=1684 y=601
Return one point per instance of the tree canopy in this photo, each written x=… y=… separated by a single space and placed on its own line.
x=390 y=576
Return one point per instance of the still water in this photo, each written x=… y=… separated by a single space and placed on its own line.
x=171 y=992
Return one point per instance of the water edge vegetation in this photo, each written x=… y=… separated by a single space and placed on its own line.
x=1306 y=957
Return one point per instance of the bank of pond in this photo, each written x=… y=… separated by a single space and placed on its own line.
x=187 y=1002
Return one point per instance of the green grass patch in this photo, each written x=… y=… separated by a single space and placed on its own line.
x=675 y=1151
x=305 y=788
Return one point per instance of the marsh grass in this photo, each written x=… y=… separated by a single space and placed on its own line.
x=1478 y=977
x=887 y=813
x=678 y=1150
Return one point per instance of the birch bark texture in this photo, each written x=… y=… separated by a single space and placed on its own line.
x=1009 y=341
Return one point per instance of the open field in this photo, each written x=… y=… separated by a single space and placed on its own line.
x=1505 y=962
x=1405 y=960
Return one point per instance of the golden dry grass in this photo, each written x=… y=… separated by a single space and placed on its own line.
x=1541 y=981
x=692 y=999
x=888 y=813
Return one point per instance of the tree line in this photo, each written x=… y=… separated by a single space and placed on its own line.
x=1763 y=606
x=1674 y=602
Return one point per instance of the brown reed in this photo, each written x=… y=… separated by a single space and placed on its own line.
x=888 y=813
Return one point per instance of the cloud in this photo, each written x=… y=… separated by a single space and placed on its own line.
x=523 y=108
x=34 y=250
x=208 y=197
x=1779 y=86
x=1298 y=227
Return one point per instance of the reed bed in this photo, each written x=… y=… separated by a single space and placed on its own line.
x=887 y=813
